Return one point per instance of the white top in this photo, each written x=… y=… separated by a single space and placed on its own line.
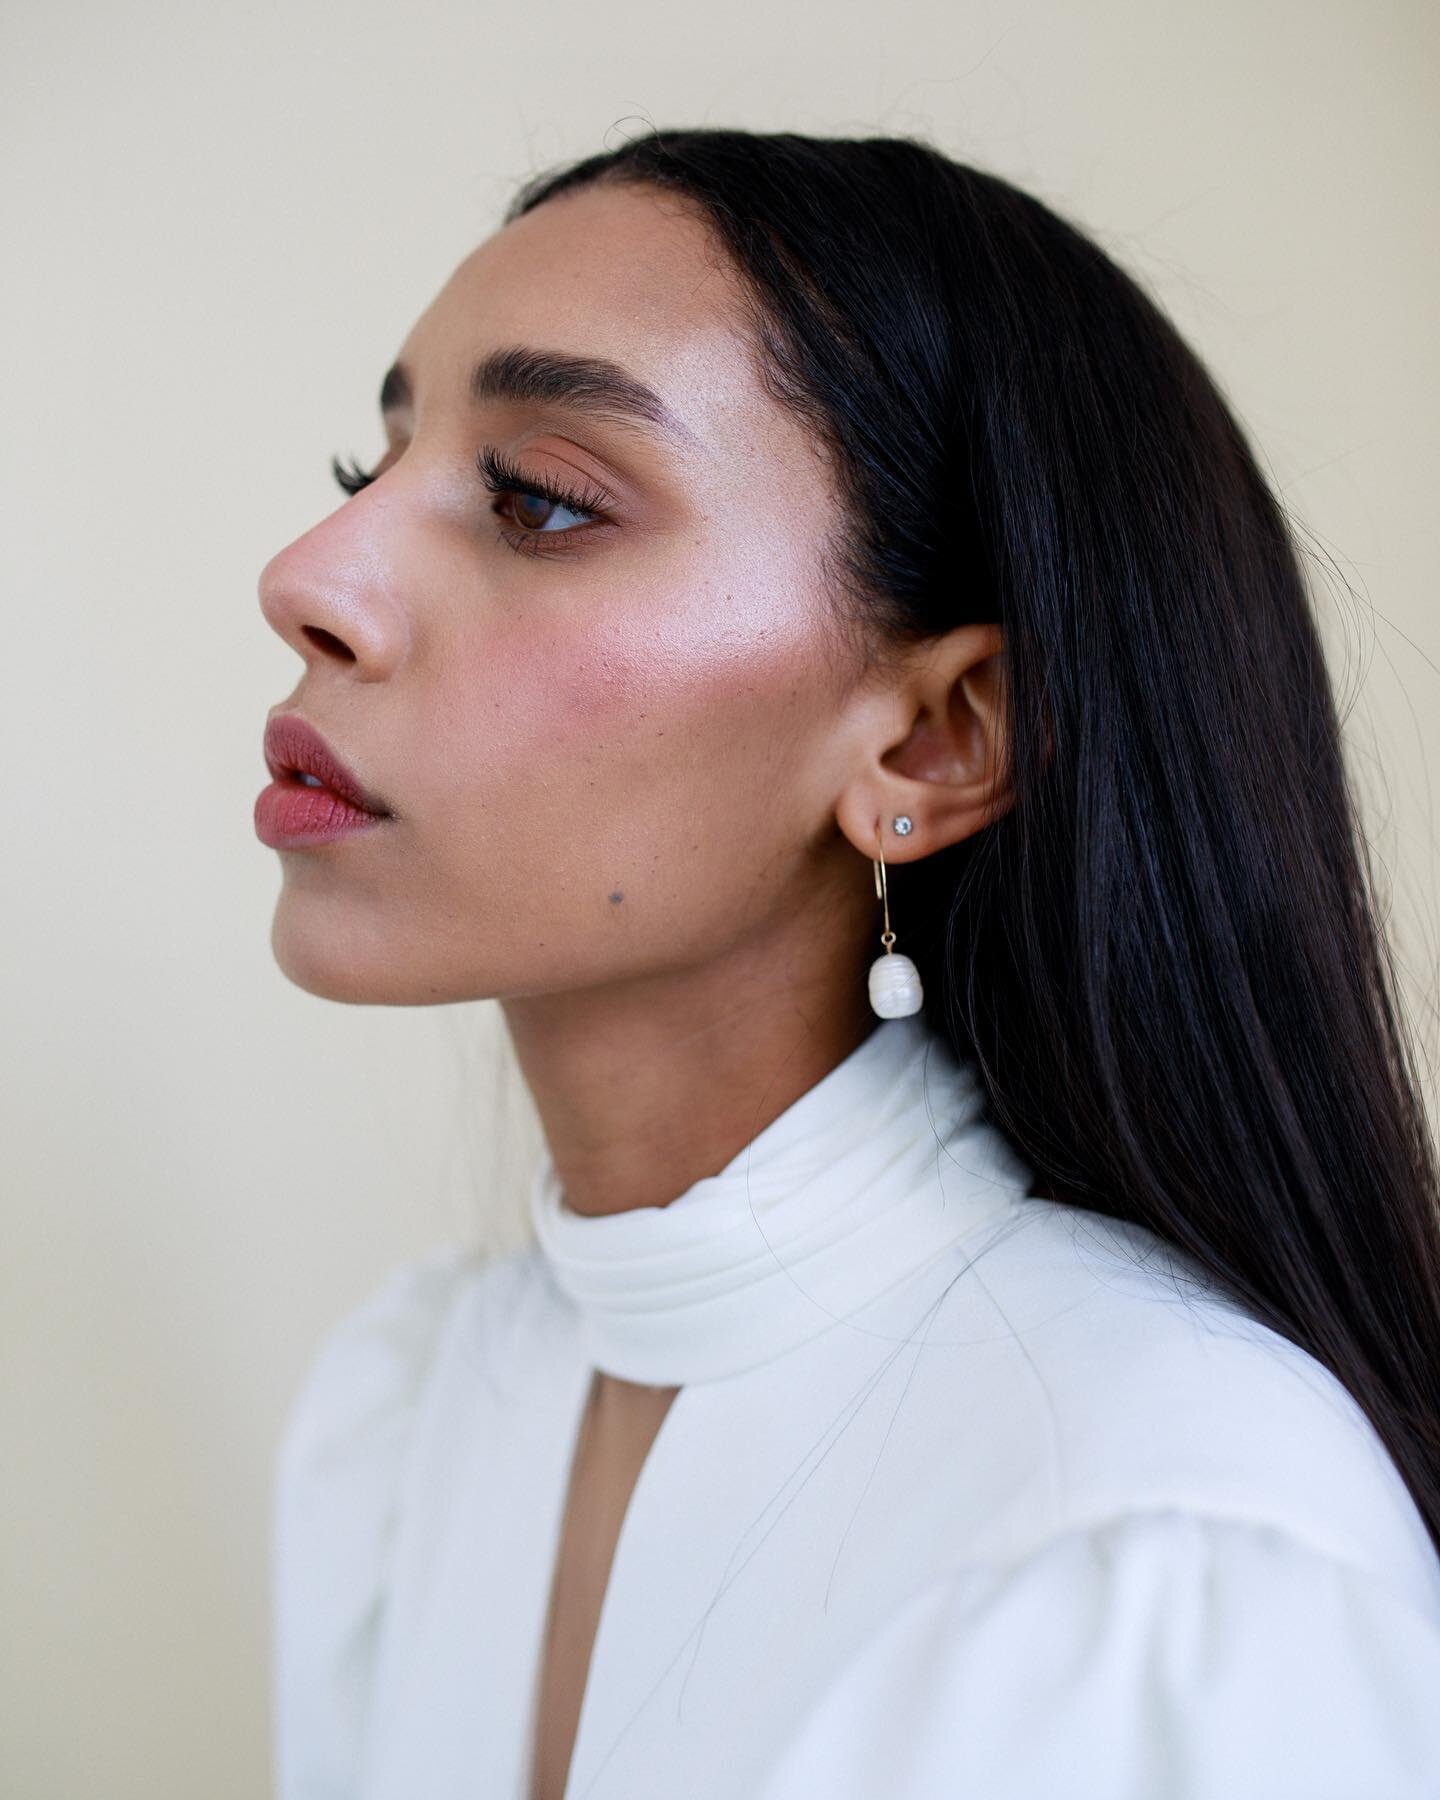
x=966 y=1495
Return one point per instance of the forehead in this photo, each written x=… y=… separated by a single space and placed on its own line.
x=629 y=274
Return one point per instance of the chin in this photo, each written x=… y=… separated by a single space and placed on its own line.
x=363 y=967
x=331 y=966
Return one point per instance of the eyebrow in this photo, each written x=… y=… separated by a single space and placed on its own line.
x=588 y=384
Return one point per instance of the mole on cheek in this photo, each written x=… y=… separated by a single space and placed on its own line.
x=616 y=897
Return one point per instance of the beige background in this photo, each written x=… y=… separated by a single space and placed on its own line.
x=218 y=222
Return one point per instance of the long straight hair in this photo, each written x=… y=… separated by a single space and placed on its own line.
x=1164 y=955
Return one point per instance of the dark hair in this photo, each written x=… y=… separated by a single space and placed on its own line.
x=1163 y=955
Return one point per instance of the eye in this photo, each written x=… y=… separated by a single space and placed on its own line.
x=529 y=504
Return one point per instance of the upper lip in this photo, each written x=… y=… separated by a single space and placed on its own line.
x=294 y=746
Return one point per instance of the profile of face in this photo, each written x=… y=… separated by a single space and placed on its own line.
x=622 y=740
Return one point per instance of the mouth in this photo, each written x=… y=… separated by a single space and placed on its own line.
x=298 y=757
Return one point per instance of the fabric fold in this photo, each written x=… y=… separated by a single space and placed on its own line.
x=887 y=1161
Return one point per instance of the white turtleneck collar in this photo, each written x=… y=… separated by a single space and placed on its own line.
x=860 y=1183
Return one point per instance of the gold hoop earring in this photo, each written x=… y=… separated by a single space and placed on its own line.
x=895 y=990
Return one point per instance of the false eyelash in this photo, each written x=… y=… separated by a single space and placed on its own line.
x=500 y=475
x=352 y=479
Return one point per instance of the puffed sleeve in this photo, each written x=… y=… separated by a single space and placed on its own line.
x=1163 y=1656
x=334 y=1496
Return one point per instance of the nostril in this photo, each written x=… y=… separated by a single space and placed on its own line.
x=326 y=640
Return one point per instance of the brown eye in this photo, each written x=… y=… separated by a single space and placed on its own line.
x=533 y=510
x=537 y=515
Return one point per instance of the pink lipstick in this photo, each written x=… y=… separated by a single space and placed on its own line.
x=314 y=798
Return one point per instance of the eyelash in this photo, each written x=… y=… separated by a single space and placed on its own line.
x=501 y=476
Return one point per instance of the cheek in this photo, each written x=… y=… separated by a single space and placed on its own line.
x=666 y=669
x=619 y=725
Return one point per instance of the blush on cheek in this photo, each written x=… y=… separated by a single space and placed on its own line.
x=699 y=659
x=598 y=689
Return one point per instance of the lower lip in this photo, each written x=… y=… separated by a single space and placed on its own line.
x=291 y=816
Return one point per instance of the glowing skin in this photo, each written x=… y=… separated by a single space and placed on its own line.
x=636 y=781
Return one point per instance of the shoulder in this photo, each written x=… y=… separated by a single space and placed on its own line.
x=370 y=1359
x=336 y=1488
x=1160 y=1652
x=371 y=1364
x=1196 y=1569
x=1147 y=1390
x=354 y=1408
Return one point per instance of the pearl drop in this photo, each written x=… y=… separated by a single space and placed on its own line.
x=895 y=990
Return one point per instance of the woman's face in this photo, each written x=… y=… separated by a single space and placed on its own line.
x=612 y=741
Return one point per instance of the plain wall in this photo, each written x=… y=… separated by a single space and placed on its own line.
x=219 y=222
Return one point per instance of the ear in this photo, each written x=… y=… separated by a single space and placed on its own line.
x=933 y=746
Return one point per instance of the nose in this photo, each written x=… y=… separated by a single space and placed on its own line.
x=327 y=594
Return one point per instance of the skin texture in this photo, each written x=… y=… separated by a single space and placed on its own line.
x=636 y=780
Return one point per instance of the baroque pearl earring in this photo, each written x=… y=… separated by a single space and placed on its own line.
x=895 y=990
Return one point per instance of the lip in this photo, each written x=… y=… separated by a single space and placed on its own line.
x=291 y=812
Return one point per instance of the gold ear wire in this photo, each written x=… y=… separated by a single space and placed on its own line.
x=882 y=888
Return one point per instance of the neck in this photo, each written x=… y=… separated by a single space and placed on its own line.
x=640 y=1094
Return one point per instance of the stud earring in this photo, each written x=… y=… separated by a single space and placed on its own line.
x=895 y=990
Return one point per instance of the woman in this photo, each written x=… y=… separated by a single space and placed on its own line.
x=1007 y=1373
